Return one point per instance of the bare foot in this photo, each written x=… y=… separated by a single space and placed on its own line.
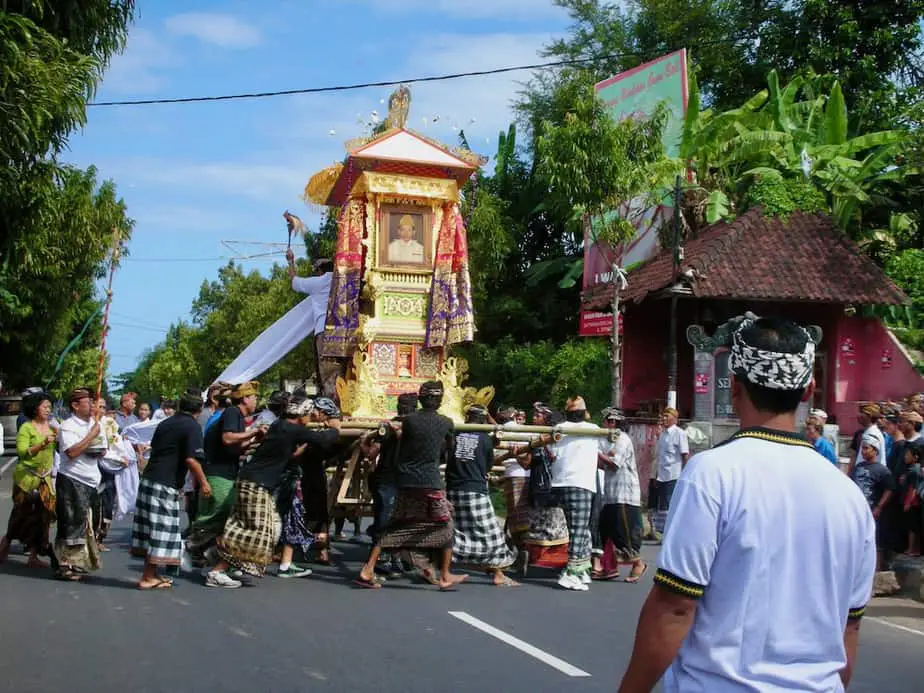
x=450 y=580
x=501 y=580
x=428 y=575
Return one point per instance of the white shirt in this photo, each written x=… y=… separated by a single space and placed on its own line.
x=672 y=445
x=874 y=430
x=620 y=485
x=318 y=288
x=779 y=547
x=405 y=251
x=575 y=462
x=512 y=468
x=82 y=468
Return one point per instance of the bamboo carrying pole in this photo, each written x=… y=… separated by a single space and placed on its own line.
x=113 y=261
x=357 y=428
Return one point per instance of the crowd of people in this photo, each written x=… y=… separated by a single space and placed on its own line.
x=764 y=541
x=255 y=489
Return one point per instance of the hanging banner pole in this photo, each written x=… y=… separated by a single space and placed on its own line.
x=113 y=261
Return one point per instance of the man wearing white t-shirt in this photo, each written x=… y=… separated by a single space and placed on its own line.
x=318 y=288
x=81 y=445
x=673 y=453
x=769 y=551
x=574 y=481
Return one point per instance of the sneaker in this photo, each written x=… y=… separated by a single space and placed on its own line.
x=294 y=570
x=572 y=582
x=216 y=579
x=585 y=578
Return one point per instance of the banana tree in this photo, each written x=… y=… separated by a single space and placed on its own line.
x=793 y=132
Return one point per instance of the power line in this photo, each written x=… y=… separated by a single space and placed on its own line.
x=200 y=259
x=137 y=327
x=414 y=80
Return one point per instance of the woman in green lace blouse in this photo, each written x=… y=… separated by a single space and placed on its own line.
x=33 y=488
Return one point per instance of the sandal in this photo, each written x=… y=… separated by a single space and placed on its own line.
x=635 y=578
x=158 y=584
x=368 y=584
x=604 y=576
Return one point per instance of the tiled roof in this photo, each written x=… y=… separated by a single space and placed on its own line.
x=754 y=257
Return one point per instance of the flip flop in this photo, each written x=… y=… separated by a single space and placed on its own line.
x=372 y=584
x=635 y=578
x=603 y=577
x=158 y=584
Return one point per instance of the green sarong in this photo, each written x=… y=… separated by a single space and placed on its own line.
x=212 y=513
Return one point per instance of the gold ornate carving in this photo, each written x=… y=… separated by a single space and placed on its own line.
x=361 y=395
x=410 y=186
x=457 y=398
x=374 y=285
x=366 y=330
x=399 y=107
x=428 y=362
x=384 y=357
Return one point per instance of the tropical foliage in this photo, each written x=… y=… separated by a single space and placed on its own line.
x=56 y=221
x=790 y=144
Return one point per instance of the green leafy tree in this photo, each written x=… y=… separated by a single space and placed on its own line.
x=52 y=56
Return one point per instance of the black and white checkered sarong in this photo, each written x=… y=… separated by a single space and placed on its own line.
x=577 y=504
x=156 y=527
x=477 y=536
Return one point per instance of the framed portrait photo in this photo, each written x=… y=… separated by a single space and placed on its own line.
x=406 y=237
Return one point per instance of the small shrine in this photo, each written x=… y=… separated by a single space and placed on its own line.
x=400 y=294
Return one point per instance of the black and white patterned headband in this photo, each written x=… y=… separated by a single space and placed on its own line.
x=772 y=369
x=299 y=406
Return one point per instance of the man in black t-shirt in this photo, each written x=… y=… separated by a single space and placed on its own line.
x=478 y=538
x=422 y=517
x=175 y=449
x=382 y=486
x=225 y=442
x=251 y=532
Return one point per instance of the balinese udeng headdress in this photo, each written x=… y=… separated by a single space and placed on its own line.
x=613 y=414
x=299 y=406
x=243 y=390
x=774 y=370
x=327 y=406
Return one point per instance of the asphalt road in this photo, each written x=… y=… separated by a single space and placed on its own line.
x=318 y=633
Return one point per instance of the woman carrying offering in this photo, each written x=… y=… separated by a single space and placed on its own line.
x=33 y=488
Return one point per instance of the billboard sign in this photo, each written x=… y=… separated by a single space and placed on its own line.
x=637 y=92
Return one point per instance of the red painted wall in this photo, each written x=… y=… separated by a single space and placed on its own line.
x=855 y=348
x=870 y=366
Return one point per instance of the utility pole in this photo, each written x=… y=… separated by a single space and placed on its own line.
x=614 y=337
x=672 y=338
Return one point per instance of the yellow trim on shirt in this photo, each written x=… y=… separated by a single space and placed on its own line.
x=774 y=438
x=856 y=614
x=677 y=584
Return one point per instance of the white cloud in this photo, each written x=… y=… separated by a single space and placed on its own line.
x=141 y=68
x=473 y=9
x=487 y=99
x=262 y=182
x=223 y=30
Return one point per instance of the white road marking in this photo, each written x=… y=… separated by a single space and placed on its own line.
x=522 y=646
x=895 y=625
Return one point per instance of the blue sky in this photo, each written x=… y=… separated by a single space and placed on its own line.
x=194 y=175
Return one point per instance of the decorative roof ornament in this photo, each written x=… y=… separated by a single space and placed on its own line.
x=399 y=106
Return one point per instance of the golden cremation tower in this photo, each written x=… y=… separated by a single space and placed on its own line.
x=401 y=294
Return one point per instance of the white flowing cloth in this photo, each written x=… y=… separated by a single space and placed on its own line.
x=285 y=334
x=126 y=482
